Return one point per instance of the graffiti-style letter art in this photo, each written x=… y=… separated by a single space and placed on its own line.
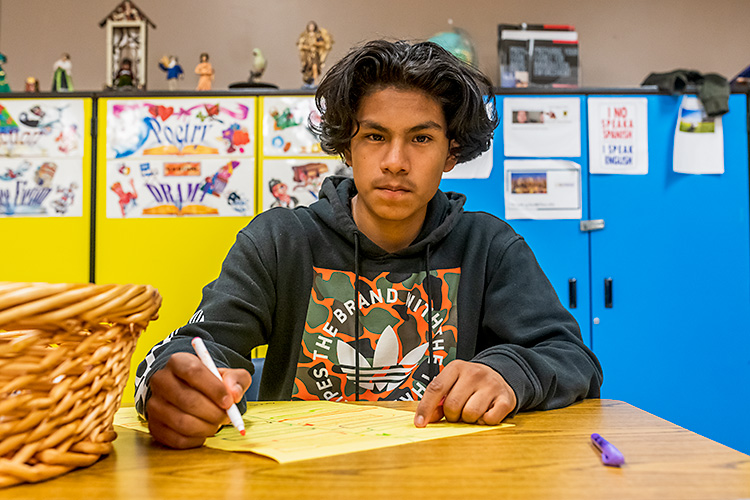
x=175 y=157
x=41 y=157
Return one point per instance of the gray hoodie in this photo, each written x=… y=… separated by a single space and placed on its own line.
x=346 y=320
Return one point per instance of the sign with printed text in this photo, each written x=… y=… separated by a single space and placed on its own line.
x=180 y=157
x=618 y=135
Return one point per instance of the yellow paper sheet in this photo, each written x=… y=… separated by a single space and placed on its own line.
x=288 y=431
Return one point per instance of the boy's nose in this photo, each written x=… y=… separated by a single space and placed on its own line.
x=396 y=158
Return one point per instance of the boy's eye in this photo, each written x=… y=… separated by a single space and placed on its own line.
x=374 y=137
x=422 y=138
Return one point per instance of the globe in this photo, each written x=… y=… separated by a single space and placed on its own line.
x=458 y=43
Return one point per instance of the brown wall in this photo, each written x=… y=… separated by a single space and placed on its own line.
x=621 y=40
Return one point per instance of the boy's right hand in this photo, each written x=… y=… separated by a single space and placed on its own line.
x=188 y=403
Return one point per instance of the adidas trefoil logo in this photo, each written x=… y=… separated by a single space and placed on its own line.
x=386 y=372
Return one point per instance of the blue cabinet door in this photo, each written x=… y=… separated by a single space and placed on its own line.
x=561 y=249
x=676 y=341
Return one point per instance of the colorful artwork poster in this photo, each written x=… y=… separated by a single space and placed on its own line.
x=180 y=186
x=48 y=187
x=41 y=128
x=296 y=182
x=180 y=128
x=618 y=135
x=286 y=126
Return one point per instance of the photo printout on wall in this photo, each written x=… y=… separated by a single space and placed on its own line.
x=542 y=189
x=542 y=127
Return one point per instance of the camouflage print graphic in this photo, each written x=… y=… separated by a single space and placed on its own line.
x=393 y=344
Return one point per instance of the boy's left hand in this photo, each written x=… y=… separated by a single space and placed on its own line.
x=468 y=392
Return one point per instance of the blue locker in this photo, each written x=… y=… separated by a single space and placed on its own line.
x=677 y=250
x=676 y=340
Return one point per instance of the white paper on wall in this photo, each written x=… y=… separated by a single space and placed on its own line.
x=542 y=189
x=290 y=182
x=542 y=127
x=478 y=168
x=41 y=187
x=286 y=130
x=698 y=140
x=198 y=186
x=618 y=135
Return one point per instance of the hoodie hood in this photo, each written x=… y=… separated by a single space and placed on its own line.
x=334 y=209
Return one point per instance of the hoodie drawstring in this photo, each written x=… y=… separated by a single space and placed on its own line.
x=431 y=334
x=430 y=365
x=356 y=316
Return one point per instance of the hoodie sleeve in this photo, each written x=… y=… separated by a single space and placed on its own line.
x=233 y=317
x=530 y=338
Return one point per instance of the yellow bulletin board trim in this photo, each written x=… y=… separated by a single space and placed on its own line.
x=52 y=249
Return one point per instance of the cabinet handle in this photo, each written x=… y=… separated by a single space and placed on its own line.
x=572 y=293
x=608 y=293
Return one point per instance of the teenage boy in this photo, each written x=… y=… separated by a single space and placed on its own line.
x=385 y=288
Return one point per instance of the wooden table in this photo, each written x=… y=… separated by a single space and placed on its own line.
x=547 y=455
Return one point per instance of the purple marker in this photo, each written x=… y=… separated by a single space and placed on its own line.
x=610 y=454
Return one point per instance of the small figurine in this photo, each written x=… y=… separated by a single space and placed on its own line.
x=32 y=84
x=124 y=77
x=314 y=44
x=206 y=73
x=4 y=87
x=173 y=69
x=62 y=81
x=258 y=66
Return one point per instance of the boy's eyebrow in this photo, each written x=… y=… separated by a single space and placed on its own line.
x=428 y=125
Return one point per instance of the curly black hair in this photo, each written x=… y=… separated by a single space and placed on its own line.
x=464 y=93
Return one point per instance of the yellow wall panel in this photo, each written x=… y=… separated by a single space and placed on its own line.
x=177 y=255
x=51 y=249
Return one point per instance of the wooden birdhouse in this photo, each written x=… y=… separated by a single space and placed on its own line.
x=127 y=36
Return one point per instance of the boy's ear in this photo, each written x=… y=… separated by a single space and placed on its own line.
x=348 y=156
x=452 y=159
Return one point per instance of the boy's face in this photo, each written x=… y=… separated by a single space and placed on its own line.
x=398 y=157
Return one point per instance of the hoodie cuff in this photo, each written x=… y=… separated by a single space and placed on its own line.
x=515 y=372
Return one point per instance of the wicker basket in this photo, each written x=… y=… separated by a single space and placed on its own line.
x=65 y=354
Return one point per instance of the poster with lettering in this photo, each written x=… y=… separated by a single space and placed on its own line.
x=145 y=188
x=41 y=157
x=618 y=135
x=180 y=157
x=286 y=130
x=41 y=187
x=41 y=128
x=296 y=182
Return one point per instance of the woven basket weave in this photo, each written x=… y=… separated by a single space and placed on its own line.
x=65 y=354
